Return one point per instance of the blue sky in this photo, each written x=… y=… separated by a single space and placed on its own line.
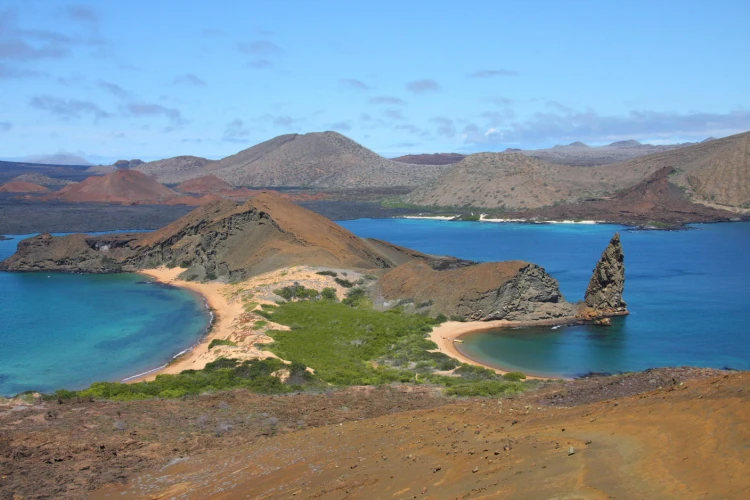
x=154 y=79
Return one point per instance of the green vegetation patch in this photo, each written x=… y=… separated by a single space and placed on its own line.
x=343 y=282
x=216 y=342
x=328 y=273
x=297 y=292
x=222 y=374
x=359 y=346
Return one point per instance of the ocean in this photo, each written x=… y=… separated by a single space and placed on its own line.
x=69 y=330
x=688 y=292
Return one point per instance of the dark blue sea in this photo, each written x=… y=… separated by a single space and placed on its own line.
x=69 y=330
x=688 y=292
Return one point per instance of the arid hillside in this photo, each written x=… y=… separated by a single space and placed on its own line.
x=578 y=153
x=431 y=159
x=203 y=185
x=514 y=180
x=669 y=433
x=17 y=186
x=122 y=186
x=321 y=159
x=652 y=202
x=175 y=170
x=42 y=180
x=222 y=239
x=325 y=159
x=716 y=171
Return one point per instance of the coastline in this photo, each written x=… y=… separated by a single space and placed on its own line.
x=446 y=333
x=224 y=314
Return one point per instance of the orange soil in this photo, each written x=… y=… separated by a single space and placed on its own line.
x=684 y=441
x=22 y=187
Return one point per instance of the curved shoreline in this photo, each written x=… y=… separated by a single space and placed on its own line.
x=445 y=335
x=223 y=314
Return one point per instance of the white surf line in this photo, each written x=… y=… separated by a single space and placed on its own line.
x=430 y=217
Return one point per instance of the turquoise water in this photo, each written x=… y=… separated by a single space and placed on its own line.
x=688 y=292
x=69 y=330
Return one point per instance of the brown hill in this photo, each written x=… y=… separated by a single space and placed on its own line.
x=716 y=171
x=321 y=159
x=42 y=180
x=655 y=201
x=122 y=186
x=20 y=186
x=431 y=159
x=221 y=239
x=512 y=179
x=580 y=154
x=177 y=169
x=203 y=185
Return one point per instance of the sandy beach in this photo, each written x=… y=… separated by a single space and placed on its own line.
x=445 y=335
x=225 y=313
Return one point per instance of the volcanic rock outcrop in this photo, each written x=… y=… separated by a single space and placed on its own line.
x=604 y=293
x=222 y=239
x=513 y=290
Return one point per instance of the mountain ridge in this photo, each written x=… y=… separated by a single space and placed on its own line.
x=317 y=159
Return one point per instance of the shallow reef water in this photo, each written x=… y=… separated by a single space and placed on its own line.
x=69 y=330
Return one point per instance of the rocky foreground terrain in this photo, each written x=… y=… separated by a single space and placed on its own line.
x=666 y=433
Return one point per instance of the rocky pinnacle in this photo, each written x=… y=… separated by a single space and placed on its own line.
x=608 y=281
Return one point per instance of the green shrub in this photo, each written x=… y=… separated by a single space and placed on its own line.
x=260 y=324
x=356 y=297
x=473 y=372
x=297 y=292
x=211 y=276
x=344 y=283
x=328 y=273
x=222 y=374
x=328 y=293
x=514 y=376
x=216 y=342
